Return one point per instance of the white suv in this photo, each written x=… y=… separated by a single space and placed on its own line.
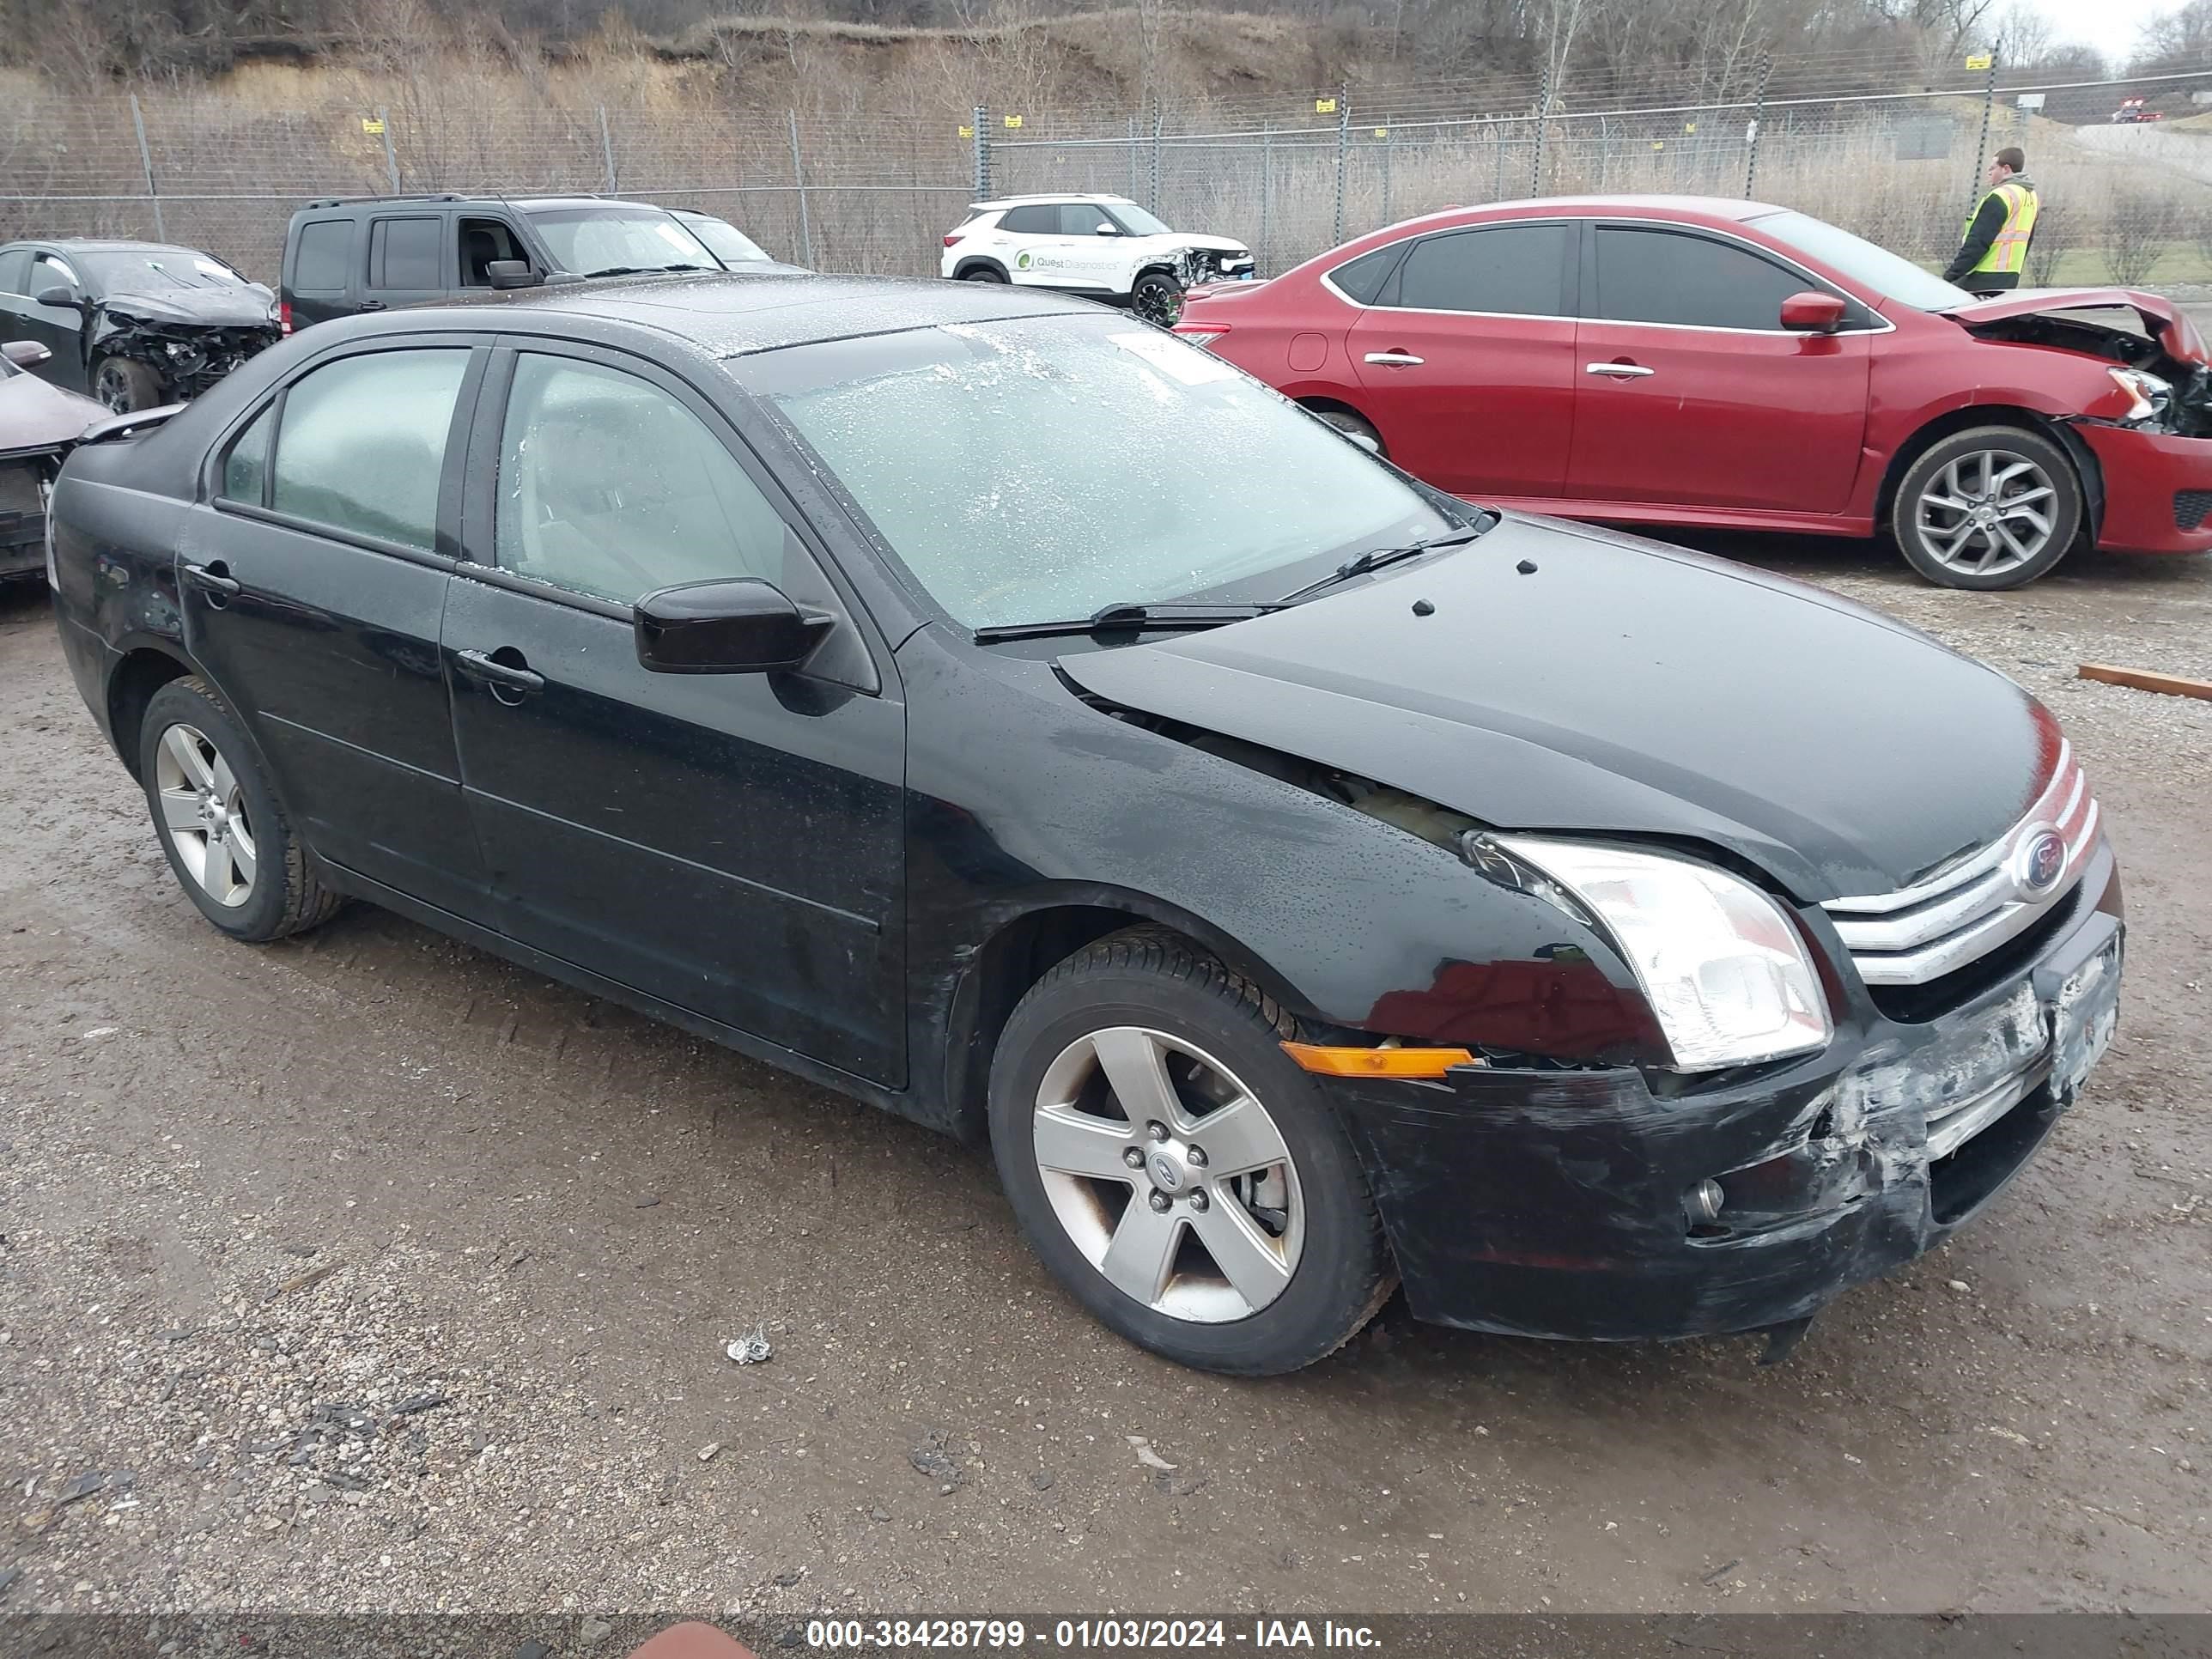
x=1104 y=246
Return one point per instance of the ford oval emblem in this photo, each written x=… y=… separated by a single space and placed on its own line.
x=2043 y=863
x=1166 y=1171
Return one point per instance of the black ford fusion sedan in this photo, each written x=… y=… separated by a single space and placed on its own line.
x=1009 y=714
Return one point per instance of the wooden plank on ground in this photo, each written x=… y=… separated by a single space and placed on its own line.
x=2143 y=680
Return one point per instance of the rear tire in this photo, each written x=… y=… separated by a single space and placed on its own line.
x=983 y=274
x=1989 y=508
x=1355 y=428
x=125 y=384
x=218 y=818
x=1257 y=1257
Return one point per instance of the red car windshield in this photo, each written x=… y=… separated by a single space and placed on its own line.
x=1890 y=275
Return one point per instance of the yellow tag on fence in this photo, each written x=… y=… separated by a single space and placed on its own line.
x=967 y=132
x=1324 y=107
x=371 y=125
x=1979 y=59
x=1013 y=120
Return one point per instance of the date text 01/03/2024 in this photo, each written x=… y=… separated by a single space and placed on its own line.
x=1080 y=1635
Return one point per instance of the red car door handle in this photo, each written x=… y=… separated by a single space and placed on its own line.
x=1618 y=371
x=1395 y=359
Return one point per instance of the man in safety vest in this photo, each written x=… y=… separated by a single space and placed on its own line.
x=1995 y=251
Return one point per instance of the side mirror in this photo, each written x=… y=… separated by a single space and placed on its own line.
x=1812 y=312
x=57 y=296
x=743 y=626
x=26 y=353
x=513 y=273
x=1107 y=230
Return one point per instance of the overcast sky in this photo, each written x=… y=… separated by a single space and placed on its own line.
x=2110 y=26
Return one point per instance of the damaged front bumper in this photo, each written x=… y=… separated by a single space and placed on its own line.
x=2157 y=488
x=188 y=359
x=1567 y=1204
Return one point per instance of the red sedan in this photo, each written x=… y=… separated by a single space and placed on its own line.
x=1692 y=361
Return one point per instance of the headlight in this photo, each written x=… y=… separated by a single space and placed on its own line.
x=2151 y=395
x=1723 y=967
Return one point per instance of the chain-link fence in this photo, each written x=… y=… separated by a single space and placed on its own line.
x=875 y=192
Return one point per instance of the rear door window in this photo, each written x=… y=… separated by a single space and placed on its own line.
x=403 y=253
x=15 y=271
x=1513 y=270
x=324 y=263
x=1033 y=221
x=361 y=446
x=1691 y=280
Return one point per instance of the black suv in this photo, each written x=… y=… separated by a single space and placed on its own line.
x=376 y=253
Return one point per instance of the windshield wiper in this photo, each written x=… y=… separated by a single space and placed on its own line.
x=1376 y=557
x=1109 y=617
x=618 y=271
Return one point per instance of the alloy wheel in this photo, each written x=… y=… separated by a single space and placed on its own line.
x=204 y=809
x=1159 y=303
x=1169 y=1174
x=1988 y=511
x=113 y=389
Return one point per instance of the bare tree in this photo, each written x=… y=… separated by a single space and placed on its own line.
x=2052 y=241
x=2139 y=224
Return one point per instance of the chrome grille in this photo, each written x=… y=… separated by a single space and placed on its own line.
x=1955 y=917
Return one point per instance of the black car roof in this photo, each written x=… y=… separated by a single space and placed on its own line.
x=727 y=313
x=341 y=206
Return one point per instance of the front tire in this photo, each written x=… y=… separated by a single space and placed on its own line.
x=226 y=835
x=1174 y=1170
x=1157 y=298
x=1992 y=508
x=126 y=386
x=983 y=274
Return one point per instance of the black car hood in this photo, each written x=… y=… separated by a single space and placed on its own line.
x=1625 y=688
x=206 y=307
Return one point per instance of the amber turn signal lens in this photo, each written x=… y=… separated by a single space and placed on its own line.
x=1376 y=1062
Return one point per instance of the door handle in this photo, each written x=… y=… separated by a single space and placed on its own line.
x=216 y=578
x=1395 y=359
x=372 y=305
x=509 y=682
x=1618 y=371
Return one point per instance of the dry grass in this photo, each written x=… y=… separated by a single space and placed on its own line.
x=877 y=112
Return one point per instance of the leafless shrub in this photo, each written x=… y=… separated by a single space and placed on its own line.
x=2052 y=241
x=2139 y=224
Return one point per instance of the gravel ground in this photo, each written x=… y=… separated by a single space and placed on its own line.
x=364 y=1271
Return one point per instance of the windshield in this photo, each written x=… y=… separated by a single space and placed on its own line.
x=1036 y=470
x=588 y=240
x=725 y=241
x=1136 y=220
x=1890 y=275
x=153 y=269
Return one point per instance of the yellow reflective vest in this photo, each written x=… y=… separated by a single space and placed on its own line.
x=2008 y=249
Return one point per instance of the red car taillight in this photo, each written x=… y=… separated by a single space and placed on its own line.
x=950 y=237
x=284 y=317
x=1202 y=334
